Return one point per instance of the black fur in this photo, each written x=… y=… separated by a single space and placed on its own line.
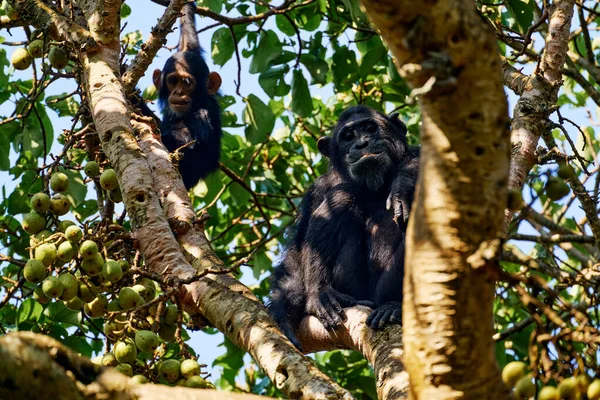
x=348 y=243
x=202 y=122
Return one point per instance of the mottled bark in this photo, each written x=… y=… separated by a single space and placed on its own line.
x=539 y=96
x=111 y=117
x=382 y=348
x=229 y=305
x=462 y=192
x=57 y=26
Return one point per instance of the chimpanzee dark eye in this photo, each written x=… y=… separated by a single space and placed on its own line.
x=348 y=135
x=371 y=127
x=172 y=80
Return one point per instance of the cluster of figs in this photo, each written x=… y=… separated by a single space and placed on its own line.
x=579 y=387
x=72 y=264
x=22 y=58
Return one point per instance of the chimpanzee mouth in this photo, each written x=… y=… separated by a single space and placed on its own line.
x=364 y=157
x=369 y=155
x=180 y=102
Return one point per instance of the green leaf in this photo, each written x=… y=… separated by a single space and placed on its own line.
x=3 y=63
x=125 y=11
x=64 y=108
x=273 y=83
x=318 y=68
x=259 y=118
x=301 y=98
x=262 y=263
x=373 y=57
x=222 y=46
x=522 y=10
x=4 y=153
x=79 y=344
x=313 y=22
x=213 y=5
x=344 y=68
x=29 y=310
x=268 y=49
x=285 y=25
x=58 y=312
x=77 y=189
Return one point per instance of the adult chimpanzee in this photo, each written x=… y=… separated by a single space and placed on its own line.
x=187 y=100
x=347 y=246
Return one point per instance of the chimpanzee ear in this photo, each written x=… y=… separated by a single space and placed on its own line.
x=324 y=145
x=395 y=119
x=213 y=83
x=156 y=78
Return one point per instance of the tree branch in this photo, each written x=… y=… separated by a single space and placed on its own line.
x=224 y=301
x=36 y=365
x=153 y=44
x=452 y=235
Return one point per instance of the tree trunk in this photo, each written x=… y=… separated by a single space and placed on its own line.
x=447 y=51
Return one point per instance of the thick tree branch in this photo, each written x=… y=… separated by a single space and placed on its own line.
x=35 y=365
x=452 y=235
x=224 y=301
x=383 y=348
x=57 y=26
x=539 y=97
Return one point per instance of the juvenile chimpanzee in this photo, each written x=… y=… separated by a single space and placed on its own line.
x=187 y=100
x=347 y=246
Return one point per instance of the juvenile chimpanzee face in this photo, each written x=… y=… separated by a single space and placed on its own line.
x=367 y=146
x=181 y=85
x=185 y=84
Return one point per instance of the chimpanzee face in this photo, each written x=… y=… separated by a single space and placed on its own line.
x=181 y=85
x=364 y=151
x=366 y=146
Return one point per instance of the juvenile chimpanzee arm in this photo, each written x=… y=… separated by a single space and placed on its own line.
x=330 y=225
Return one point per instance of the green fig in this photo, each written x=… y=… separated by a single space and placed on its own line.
x=36 y=48
x=46 y=253
x=59 y=205
x=70 y=286
x=59 y=182
x=33 y=223
x=52 y=287
x=108 y=179
x=58 y=57
x=34 y=271
x=125 y=351
x=146 y=341
x=21 y=59
x=190 y=368
x=92 y=169
x=170 y=370
x=40 y=202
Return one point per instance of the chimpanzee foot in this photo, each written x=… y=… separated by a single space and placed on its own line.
x=386 y=314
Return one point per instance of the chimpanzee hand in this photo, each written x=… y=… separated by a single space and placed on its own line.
x=387 y=313
x=328 y=307
x=400 y=199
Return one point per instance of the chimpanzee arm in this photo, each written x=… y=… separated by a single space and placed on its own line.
x=403 y=187
x=388 y=292
x=330 y=225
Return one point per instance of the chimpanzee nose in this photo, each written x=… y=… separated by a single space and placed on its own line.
x=361 y=142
